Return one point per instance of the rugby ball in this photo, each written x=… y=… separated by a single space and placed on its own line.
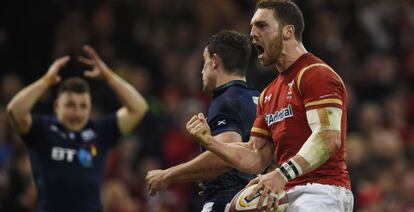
x=240 y=202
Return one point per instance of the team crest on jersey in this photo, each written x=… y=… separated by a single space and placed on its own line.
x=87 y=135
x=290 y=92
x=279 y=115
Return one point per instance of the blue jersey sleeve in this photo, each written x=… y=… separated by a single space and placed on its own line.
x=225 y=118
x=107 y=127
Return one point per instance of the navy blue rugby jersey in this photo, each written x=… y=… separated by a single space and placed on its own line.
x=68 y=166
x=233 y=108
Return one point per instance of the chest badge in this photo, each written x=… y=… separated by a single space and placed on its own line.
x=290 y=90
x=87 y=135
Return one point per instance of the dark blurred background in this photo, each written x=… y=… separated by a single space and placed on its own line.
x=157 y=46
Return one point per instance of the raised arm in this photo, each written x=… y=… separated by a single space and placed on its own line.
x=20 y=106
x=252 y=157
x=134 y=106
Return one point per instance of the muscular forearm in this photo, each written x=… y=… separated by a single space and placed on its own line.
x=203 y=167
x=22 y=103
x=241 y=156
x=320 y=146
x=252 y=157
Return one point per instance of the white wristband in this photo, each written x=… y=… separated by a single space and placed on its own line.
x=280 y=172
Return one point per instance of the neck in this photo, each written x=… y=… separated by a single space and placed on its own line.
x=292 y=51
x=225 y=78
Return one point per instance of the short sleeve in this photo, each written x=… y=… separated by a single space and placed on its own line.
x=260 y=128
x=321 y=87
x=36 y=133
x=108 y=129
x=225 y=119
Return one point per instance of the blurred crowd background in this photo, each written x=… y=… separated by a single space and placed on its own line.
x=157 y=46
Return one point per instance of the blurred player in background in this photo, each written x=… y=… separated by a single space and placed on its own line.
x=68 y=150
x=230 y=117
x=301 y=115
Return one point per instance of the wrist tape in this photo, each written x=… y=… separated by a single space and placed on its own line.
x=290 y=170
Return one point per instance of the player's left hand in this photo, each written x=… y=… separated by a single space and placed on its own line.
x=99 y=70
x=157 y=181
x=270 y=184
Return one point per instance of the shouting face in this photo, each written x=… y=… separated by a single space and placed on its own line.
x=266 y=34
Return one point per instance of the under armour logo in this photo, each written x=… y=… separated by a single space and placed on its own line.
x=221 y=122
x=267 y=98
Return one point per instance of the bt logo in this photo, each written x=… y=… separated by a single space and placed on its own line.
x=84 y=156
x=59 y=154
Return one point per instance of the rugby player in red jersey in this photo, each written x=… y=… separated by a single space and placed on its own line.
x=301 y=116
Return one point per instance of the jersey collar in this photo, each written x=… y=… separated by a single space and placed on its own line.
x=219 y=90
x=63 y=128
x=297 y=63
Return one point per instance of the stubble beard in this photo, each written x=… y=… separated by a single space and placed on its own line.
x=275 y=50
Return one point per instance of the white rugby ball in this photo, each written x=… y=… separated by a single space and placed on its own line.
x=240 y=202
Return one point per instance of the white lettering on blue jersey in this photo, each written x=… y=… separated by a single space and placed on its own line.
x=221 y=122
x=59 y=154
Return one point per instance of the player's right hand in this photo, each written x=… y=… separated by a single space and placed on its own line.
x=199 y=129
x=157 y=181
x=52 y=75
x=269 y=185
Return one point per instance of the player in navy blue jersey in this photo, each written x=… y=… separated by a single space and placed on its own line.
x=67 y=150
x=230 y=116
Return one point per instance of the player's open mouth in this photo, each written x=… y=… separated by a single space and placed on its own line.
x=260 y=50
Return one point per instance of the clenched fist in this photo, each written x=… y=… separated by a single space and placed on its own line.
x=199 y=129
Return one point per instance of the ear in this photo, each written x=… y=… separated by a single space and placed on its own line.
x=216 y=61
x=288 y=32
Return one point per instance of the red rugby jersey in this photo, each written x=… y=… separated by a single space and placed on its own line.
x=281 y=116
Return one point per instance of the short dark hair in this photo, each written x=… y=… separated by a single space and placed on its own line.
x=234 y=48
x=286 y=12
x=73 y=84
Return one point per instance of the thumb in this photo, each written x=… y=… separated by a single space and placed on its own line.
x=254 y=181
